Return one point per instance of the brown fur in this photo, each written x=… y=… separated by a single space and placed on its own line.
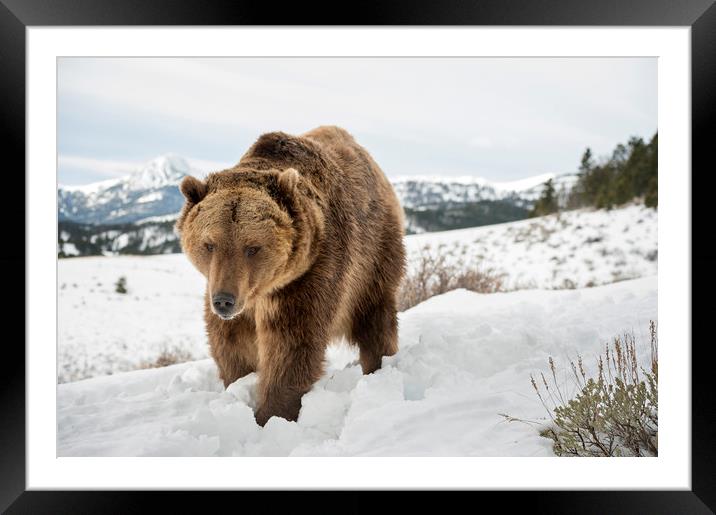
x=330 y=236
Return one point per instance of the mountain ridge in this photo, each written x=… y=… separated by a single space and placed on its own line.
x=134 y=213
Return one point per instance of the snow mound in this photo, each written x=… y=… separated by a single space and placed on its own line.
x=464 y=359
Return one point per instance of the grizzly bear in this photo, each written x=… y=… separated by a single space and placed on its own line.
x=301 y=242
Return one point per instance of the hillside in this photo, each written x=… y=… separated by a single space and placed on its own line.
x=584 y=247
x=575 y=249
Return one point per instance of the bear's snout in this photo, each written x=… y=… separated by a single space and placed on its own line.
x=224 y=305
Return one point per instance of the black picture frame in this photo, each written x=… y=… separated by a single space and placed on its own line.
x=17 y=15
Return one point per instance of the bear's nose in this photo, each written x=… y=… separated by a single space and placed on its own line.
x=223 y=303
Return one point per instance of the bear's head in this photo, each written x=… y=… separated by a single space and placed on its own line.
x=239 y=236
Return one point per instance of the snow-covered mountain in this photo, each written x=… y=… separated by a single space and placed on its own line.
x=150 y=191
x=134 y=214
x=421 y=192
x=424 y=192
x=439 y=204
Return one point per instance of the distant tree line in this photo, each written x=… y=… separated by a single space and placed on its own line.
x=629 y=173
x=468 y=214
x=125 y=238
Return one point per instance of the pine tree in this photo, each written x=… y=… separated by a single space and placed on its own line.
x=584 y=191
x=547 y=203
x=587 y=163
x=651 y=197
x=629 y=173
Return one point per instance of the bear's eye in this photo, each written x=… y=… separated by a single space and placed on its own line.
x=209 y=247
x=251 y=251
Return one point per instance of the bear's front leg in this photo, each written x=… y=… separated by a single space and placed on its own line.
x=232 y=344
x=289 y=365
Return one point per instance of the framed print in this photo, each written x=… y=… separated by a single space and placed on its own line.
x=428 y=251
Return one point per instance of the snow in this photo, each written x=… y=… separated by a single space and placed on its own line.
x=164 y=170
x=150 y=197
x=502 y=187
x=103 y=332
x=464 y=359
x=152 y=189
x=93 y=188
x=438 y=179
x=158 y=219
x=471 y=188
x=524 y=184
x=121 y=241
x=572 y=249
x=70 y=249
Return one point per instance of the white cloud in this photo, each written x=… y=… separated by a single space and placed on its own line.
x=481 y=142
x=547 y=108
x=108 y=168
x=367 y=94
x=103 y=167
x=205 y=166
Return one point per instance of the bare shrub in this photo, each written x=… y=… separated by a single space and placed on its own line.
x=567 y=284
x=437 y=271
x=614 y=414
x=121 y=285
x=168 y=357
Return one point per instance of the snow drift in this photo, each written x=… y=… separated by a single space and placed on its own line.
x=464 y=359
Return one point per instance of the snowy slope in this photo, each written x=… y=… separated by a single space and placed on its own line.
x=464 y=359
x=578 y=248
x=103 y=332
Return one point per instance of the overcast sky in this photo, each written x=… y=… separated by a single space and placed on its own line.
x=501 y=119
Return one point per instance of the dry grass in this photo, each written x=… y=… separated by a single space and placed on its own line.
x=437 y=271
x=168 y=357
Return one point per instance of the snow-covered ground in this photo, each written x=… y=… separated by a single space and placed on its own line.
x=103 y=332
x=578 y=248
x=464 y=359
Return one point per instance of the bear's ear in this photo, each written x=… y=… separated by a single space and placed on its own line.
x=193 y=189
x=288 y=179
